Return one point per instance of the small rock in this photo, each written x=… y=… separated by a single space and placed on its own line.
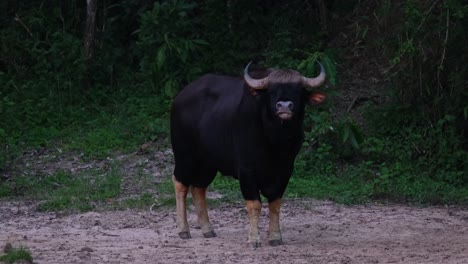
x=15 y=210
x=7 y=248
x=87 y=249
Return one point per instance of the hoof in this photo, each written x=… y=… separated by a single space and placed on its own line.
x=275 y=243
x=209 y=234
x=185 y=235
x=254 y=245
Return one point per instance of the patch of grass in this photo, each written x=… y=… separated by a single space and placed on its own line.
x=64 y=191
x=342 y=190
x=364 y=182
x=163 y=197
x=5 y=189
x=405 y=183
x=165 y=187
x=97 y=124
x=228 y=187
x=159 y=195
x=82 y=192
x=142 y=201
x=124 y=132
x=13 y=255
x=99 y=142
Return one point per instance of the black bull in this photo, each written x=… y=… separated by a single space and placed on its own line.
x=249 y=128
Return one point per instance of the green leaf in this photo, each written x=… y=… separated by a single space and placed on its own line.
x=310 y=68
x=357 y=137
x=169 y=89
x=345 y=135
x=201 y=42
x=329 y=69
x=302 y=65
x=161 y=56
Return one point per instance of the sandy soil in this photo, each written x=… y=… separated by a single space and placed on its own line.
x=313 y=232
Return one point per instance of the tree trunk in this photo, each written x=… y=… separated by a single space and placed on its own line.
x=90 y=30
x=89 y=41
x=323 y=13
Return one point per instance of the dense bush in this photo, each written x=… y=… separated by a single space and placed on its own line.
x=413 y=147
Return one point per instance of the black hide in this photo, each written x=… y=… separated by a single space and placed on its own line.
x=218 y=124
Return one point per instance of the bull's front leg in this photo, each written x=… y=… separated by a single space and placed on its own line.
x=274 y=230
x=181 y=203
x=254 y=208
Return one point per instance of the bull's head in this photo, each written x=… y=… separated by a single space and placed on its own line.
x=287 y=90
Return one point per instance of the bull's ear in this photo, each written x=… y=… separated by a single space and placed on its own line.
x=253 y=91
x=316 y=97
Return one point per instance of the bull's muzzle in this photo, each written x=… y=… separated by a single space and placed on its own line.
x=284 y=109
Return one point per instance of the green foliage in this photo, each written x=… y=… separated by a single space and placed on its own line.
x=13 y=255
x=308 y=66
x=411 y=149
x=434 y=152
x=427 y=54
x=63 y=191
x=173 y=44
x=397 y=161
x=136 y=70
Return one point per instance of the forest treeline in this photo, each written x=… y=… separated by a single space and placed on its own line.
x=99 y=75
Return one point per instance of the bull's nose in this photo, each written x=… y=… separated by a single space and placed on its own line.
x=283 y=105
x=284 y=109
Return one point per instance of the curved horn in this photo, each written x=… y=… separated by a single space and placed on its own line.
x=257 y=84
x=317 y=81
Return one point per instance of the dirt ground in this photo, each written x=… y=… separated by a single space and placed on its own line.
x=313 y=232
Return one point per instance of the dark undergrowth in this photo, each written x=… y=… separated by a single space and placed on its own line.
x=409 y=147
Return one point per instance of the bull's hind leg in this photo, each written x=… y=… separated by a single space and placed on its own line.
x=181 y=204
x=274 y=230
x=199 y=200
x=254 y=208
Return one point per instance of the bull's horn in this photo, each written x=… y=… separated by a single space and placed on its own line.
x=317 y=81
x=257 y=84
